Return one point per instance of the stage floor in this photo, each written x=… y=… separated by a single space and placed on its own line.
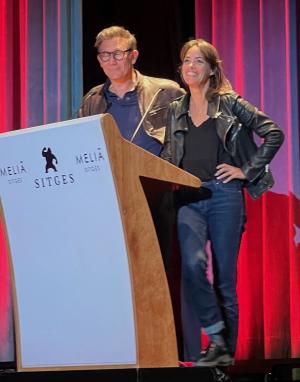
x=243 y=371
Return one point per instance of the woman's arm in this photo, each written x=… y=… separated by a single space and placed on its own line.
x=254 y=120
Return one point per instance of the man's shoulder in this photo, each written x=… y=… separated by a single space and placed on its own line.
x=93 y=102
x=96 y=90
x=179 y=101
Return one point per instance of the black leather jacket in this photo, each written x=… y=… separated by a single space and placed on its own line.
x=154 y=92
x=236 y=120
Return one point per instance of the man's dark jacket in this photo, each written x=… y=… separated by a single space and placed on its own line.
x=154 y=92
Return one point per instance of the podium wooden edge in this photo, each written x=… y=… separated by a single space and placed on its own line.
x=155 y=329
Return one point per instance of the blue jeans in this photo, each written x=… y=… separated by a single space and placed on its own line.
x=219 y=220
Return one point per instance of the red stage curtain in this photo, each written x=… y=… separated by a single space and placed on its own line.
x=12 y=116
x=257 y=42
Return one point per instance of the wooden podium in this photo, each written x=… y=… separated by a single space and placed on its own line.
x=69 y=276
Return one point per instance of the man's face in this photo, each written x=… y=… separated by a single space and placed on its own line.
x=115 y=68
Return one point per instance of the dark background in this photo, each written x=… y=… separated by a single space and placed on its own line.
x=160 y=27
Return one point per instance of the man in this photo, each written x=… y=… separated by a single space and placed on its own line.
x=139 y=105
x=137 y=102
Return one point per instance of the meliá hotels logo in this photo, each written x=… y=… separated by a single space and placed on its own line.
x=13 y=172
x=91 y=161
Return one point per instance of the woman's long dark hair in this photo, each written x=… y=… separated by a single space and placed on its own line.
x=218 y=82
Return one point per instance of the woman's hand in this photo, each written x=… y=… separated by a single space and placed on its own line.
x=226 y=173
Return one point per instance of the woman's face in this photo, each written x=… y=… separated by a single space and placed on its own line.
x=195 y=70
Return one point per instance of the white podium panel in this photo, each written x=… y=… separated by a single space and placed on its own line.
x=73 y=295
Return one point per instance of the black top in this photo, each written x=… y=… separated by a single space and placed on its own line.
x=203 y=150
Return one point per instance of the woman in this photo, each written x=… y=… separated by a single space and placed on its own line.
x=209 y=134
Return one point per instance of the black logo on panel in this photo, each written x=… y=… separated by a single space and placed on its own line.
x=50 y=158
x=58 y=179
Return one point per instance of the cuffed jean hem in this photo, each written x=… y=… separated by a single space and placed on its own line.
x=215 y=328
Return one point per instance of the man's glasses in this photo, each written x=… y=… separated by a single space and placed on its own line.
x=116 y=54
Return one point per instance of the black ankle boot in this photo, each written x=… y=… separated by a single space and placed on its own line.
x=215 y=355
